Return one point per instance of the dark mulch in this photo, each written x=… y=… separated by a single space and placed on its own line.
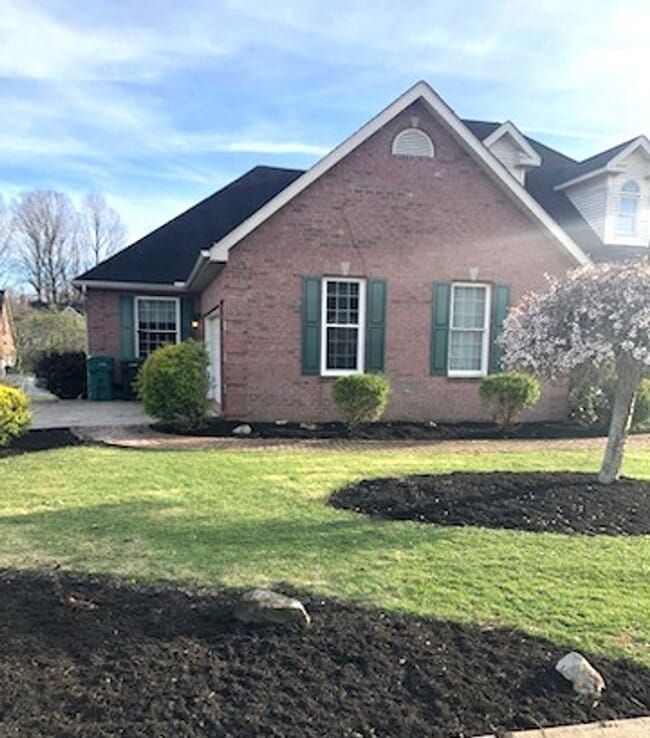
x=553 y=502
x=94 y=658
x=41 y=440
x=390 y=431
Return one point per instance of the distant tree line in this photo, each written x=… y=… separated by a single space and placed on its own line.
x=45 y=241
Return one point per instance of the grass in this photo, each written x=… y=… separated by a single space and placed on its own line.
x=217 y=518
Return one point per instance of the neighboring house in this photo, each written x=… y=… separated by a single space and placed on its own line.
x=399 y=252
x=7 y=335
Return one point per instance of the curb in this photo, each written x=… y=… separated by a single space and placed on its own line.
x=633 y=728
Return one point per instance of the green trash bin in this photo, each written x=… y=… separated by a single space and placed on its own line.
x=100 y=377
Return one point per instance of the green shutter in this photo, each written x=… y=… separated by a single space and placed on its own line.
x=440 y=328
x=127 y=327
x=311 y=288
x=376 y=329
x=187 y=315
x=500 y=305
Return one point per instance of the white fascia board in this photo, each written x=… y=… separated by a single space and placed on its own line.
x=199 y=264
x=530 y=159
x=421 y=90
x=613 y=165
x=581 y=178
x=638 y=143
x=175 y=288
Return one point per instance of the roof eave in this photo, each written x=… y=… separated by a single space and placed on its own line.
x=105 y=284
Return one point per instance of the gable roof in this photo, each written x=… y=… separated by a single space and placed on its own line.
x=529 y=156
x=166 y=255
x=420 y=91
x=177 y=255
x=601 y=163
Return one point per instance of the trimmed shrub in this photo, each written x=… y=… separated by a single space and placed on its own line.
x=591 y=397
x=15 y=416
x=361 y=398
x=507 y=395
x=173 y=384
x=64 y=374
x=641 y=416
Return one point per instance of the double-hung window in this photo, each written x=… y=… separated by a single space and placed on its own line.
x=469 y=330
x=157 y=322
x=343 y=306
x=628 y=204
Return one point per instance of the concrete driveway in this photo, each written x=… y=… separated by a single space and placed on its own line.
x=85 y=414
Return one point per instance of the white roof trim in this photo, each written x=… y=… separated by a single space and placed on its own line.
x=613 y=166
x=177 y=287
x=423 y=91
x=530 y=158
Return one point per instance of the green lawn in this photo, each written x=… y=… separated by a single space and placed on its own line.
x=241 y=519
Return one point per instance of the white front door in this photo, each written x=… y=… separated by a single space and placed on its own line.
x=213 y=344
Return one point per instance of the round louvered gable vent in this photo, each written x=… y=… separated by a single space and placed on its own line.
x=413 y=142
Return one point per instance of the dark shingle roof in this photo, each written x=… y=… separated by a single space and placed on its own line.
x=168 y=254
x=593 y=163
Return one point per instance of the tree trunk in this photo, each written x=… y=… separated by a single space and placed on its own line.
x=628 y=375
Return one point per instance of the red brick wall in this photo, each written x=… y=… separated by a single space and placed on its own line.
x=411 y=221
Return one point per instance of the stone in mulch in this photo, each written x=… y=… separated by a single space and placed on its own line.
x=162 y=661
x=383 y=431
x=550 y=502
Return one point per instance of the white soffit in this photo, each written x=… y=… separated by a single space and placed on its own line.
x=420 y=91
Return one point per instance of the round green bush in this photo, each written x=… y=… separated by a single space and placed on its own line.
x=361 y=398
x=173 y=384
x=507 y=395
x=15 y=416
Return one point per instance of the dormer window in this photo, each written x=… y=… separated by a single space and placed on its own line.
x=628 y=205
x=413 y=142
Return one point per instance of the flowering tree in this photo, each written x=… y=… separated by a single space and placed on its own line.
x=597 y=314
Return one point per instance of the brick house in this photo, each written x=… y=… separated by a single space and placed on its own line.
x=398 y=252
x=7 y=335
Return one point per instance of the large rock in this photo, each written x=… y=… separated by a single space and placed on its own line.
x=585 y=679
x=266 y=606
x=242 y=430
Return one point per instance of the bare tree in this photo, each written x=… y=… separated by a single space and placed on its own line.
x=101 y=232
x=4 y=240
x=44 y=234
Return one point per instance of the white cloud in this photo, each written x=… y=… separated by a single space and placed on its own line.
x=140 y=92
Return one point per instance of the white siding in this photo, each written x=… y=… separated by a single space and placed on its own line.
x=590 y=200
x=509 y=154
x=636 y=168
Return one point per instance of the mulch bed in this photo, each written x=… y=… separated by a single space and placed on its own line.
x=551 y=502
x=41 y=440
x=389 y=431
x=94 y=657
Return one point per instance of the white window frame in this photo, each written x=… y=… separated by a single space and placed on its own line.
x=630 y=196
x=324 y=325
x=485 y=348
x=136 y=321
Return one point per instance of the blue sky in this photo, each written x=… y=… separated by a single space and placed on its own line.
x=158 y=103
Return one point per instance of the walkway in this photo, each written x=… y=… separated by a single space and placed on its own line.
x=83 y=414
x=144 y=437
x=635 y=728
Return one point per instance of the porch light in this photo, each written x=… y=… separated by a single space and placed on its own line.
x=196 y=322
